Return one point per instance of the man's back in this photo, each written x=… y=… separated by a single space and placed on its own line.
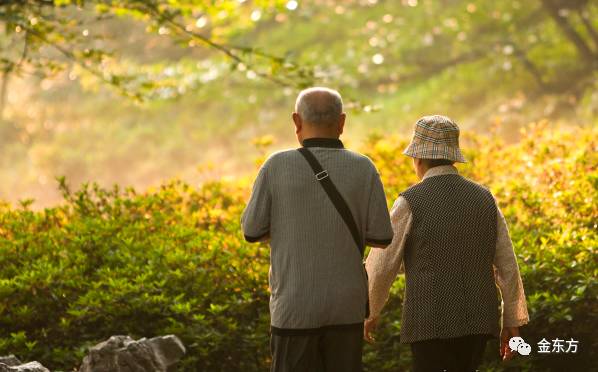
x=316 y=278
x=318 y=284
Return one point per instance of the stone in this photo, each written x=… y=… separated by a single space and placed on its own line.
x=27 y=367
x=10 y=360
x=123 y=354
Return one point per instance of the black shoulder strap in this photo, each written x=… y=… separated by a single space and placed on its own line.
x=335 y=196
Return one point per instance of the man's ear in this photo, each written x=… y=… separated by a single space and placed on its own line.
x=341 y=124
x=298 y=122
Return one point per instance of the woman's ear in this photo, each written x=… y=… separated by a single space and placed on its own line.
x=419 y=166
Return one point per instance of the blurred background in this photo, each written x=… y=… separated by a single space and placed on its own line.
x=135 y=92
x=131 y=130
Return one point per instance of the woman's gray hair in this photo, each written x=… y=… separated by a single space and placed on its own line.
x=319 y=106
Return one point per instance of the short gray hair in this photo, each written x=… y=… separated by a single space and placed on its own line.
x=319 y=106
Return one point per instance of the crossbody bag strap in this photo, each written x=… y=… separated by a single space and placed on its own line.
x=335 y=196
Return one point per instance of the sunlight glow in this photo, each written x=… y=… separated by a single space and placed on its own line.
x=256 y=15
x=378 y=59
x=201 y=22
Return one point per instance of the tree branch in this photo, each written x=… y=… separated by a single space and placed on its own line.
x=4 y=91
x=570 y=32
x=229 y=52
x=8 y=70
x=529 y=66
x=73 y=58
x=430 y=69
x=588 y=25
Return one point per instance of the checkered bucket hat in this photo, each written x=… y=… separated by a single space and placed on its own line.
x=435 y=137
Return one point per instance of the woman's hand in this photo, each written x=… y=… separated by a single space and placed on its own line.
x=369 y=327
x=507 y=333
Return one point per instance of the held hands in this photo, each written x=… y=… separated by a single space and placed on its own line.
x=369 y=327
x=505 y=351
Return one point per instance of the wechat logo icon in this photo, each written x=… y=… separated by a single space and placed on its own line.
x=517 y=344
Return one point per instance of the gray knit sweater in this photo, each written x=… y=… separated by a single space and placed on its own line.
x=316 y=273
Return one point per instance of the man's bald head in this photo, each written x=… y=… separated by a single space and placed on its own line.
x=320 y=107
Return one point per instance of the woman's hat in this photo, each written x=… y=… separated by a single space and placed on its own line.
x=435 y=137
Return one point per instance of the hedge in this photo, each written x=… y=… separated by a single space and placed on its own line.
x=173 y=260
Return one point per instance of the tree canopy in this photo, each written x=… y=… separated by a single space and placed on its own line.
x=153 y=81
x=418 y=38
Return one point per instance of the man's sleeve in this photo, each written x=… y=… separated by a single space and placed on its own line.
x=383 y=265
x=378 y=229
x=255 y=220
x=507 y=277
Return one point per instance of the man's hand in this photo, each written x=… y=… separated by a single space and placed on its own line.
x=505 y=351
x=369 y=327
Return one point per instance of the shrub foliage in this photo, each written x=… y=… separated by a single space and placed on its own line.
x=173 y=260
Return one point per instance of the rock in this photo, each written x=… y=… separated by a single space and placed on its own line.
x=10 y=360
x=27 y=367
x=11 y=363
x=123 y=354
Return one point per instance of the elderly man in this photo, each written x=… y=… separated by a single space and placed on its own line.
x=452 y=242
x=318 y=205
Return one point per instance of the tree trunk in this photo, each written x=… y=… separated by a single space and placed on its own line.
x=588 y=25
x=529 y=66
x=4 y=91
x=582 y=48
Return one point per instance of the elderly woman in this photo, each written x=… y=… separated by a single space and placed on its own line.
x=452 y=242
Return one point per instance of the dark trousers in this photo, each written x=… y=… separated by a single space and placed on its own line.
x=461 y=354
x=328 y=350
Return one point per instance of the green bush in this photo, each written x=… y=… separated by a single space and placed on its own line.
x=110 y=262
x=173 y=260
